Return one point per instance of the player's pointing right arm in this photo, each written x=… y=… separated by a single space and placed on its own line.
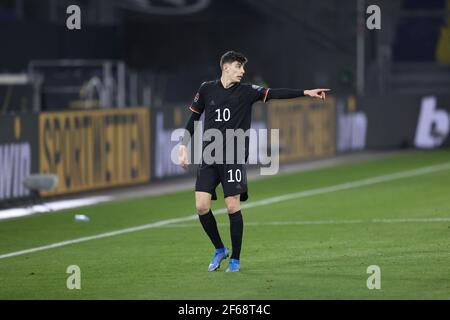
x=266 y=94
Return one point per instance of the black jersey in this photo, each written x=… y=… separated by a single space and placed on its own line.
x=227 y=108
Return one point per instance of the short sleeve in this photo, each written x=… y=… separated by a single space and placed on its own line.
x=198 y=104
x=259 y=93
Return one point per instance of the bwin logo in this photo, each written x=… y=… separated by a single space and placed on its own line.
x=433 y=126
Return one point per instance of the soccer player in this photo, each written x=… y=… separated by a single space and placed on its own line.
x=227 y=104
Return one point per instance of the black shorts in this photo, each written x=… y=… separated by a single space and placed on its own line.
x=233 y=178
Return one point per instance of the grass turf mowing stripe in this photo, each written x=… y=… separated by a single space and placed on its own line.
x=320 y=222
x=286 y=197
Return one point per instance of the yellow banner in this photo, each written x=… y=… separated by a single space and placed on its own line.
x=307 y=127
x=90 y=150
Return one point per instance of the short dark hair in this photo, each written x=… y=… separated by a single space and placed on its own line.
x=232 y=56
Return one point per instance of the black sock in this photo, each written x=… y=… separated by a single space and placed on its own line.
x=236 y=230
x=210 y=226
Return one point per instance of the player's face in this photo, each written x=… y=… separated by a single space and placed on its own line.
x=235 y=71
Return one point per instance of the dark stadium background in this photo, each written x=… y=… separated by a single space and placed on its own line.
x=154 y=54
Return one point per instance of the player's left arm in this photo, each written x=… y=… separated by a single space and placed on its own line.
x=284 y=93
x=265 y=94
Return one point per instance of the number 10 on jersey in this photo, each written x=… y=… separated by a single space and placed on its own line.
x=223 y=115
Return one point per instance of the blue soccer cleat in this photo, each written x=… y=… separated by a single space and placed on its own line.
x=234 y=265
x=219 y=255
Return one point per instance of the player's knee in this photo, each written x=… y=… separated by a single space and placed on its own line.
x=202 y=208
x=233 y=206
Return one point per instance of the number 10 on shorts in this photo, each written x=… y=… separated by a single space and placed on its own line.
x=237 y=177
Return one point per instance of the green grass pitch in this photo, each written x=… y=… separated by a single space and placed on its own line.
x=315 y=246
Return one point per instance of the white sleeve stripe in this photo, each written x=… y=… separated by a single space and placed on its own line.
x=193 y=110
x=265 y=96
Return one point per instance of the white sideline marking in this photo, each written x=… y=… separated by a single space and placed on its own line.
x=290 y=196
x=320 y=222
x=51 y=206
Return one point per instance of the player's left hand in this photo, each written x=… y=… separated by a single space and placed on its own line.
x=316 y=93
